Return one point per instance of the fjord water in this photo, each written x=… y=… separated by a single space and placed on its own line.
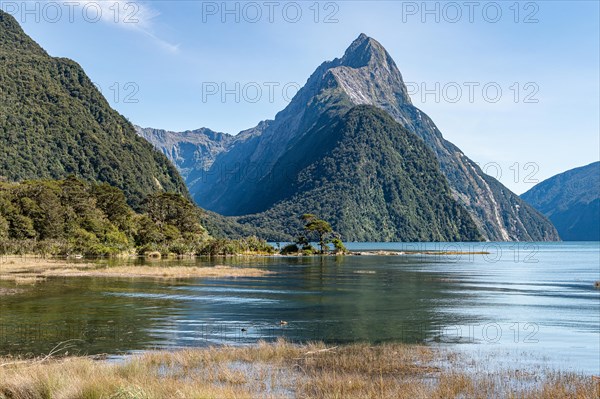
x=534 y=300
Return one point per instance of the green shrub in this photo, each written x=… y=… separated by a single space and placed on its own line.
x=338 y=245
x=290 y=249
x=180 y=248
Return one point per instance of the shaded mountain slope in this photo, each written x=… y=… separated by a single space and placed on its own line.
x=571 y=200
x=372 y=178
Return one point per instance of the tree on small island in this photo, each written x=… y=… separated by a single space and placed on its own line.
x=324 y=231
x=338 y=245
x=319 y=226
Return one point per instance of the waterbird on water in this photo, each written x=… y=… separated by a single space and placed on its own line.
x=283 y=323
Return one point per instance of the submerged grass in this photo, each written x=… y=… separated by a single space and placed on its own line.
x=283 y=370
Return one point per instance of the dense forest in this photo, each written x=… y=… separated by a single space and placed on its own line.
x=370 y=178
x=55 y=123
x=69 y=217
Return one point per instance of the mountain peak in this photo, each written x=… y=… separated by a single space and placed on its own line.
x=368 y=75
x=361 y=40
x=363 y=51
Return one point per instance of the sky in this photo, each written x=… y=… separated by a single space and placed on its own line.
x=515 y=85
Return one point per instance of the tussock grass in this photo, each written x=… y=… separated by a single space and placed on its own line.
x=283 y=370
x=22 y=279
x=30 y=271
x=158 y=271
x=10 y=291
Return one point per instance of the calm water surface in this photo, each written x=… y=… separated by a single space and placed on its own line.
x=526 y=299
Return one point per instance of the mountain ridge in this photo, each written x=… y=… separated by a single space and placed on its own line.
x=55 y=123
x=365 y=75
x=571 y=200
x=188 y=149
x=373 y=179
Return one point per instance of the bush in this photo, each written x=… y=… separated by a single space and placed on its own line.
x=3 y=228
x=118 y=240
x=255 y=244
x=180 y=248
x=290 y=249
x=220 y=246
x=339 y=247
x=309 y=250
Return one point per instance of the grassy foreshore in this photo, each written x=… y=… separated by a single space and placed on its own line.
x=29 y=270
x=284 y=370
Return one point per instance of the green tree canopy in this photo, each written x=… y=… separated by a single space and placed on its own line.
x=71 y=216
x=320 y=227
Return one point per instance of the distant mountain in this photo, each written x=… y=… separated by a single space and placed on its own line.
x=365 y=75
x=409 y=200
x=55 y=123
x=189 y=150
x=572 y=202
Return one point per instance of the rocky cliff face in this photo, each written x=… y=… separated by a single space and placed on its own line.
x=365 y=75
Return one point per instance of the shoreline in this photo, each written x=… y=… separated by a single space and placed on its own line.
x=285 y=370
x=399 y=253
x=30 y=269
x=249 y=254
x=27 y=271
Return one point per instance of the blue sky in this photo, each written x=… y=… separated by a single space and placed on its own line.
x=514 y=85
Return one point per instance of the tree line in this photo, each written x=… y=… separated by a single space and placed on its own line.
x=67 y=217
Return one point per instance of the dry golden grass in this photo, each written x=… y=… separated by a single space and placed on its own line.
x=283 y=370
x=158 y=271
x=10 y=291
x=22 y=279
x=31 y=270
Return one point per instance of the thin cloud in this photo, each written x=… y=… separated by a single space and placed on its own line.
x=126 y=14
x=173 y=48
